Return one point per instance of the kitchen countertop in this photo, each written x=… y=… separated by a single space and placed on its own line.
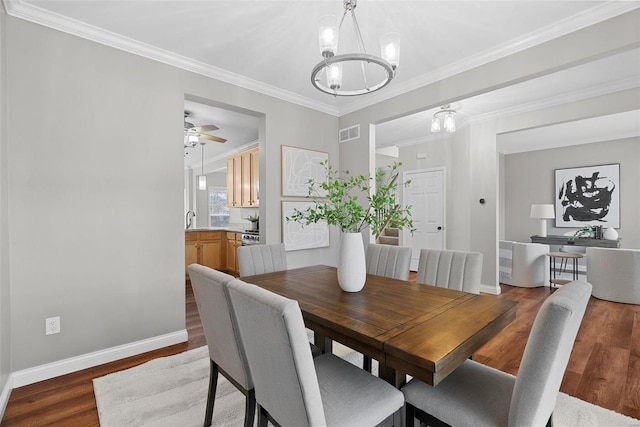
x=231 y=228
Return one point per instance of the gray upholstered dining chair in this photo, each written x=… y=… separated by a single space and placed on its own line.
x=388 y=261
x=459 y=270
x=292 y=388
x=260 y=259
x=477 y=395
x=225 y=351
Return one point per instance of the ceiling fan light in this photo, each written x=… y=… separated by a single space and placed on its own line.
x=390 y=48
x=193 y=140
x=435 y=124
x=202 y=182
x=328 y=36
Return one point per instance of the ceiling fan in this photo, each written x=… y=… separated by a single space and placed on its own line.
x=193 y=133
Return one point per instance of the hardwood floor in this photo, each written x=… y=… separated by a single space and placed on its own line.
x=604 y=368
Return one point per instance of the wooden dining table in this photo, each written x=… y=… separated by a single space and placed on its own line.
x=409 y=328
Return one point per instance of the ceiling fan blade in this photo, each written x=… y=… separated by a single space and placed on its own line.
x=211 y=138
x=205 y=128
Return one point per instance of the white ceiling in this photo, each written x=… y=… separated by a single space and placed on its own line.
x=278 y=42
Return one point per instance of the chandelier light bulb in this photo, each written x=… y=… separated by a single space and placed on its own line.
x=435 y=124
x=328 y=36
x=449 y=123
x=334 y=76
x=390 y=48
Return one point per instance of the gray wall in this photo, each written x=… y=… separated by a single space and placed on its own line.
x=5 y=319
x=452 y=153
x=95 y=190
x=529 y=178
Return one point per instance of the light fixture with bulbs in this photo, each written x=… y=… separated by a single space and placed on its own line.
x=202 y=179
x=327 y=75
x=444 y=119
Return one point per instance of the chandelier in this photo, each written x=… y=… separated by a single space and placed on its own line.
x=327 y=76
x=444 y=119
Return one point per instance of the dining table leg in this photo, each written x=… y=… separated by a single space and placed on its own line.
x=323 y=343
x=390 y=375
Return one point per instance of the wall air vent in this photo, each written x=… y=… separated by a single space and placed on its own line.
x=347 y=134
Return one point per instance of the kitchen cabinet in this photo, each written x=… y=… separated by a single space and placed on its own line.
x=234 y=240
x=243 y=179
x=205 y=248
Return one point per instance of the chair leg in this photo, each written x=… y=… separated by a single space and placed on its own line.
x=213 y=385
x=250 y=408
x=262 y=417
x=366 y=363
x=410 y=415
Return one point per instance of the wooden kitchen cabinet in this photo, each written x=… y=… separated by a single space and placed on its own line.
x=243 y=179
x=234 y=240
x=205 y=248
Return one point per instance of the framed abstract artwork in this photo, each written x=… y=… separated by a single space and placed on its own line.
x=296 y=236
x=588 y=196
x=298 y=166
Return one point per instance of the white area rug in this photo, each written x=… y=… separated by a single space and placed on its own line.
x=172 y=391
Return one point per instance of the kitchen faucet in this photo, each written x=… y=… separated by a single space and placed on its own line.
x=189 y=218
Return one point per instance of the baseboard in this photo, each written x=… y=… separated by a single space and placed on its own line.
x=489 y=289
x=84 y=361
x=4 y=396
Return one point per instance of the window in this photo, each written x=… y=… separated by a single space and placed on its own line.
x=218 y=209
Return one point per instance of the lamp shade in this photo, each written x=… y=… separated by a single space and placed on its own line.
x=202 y=182
x=328 y=35
x=543 y=211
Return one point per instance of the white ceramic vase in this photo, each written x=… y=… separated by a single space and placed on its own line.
x=610 y=233
x=352 y=268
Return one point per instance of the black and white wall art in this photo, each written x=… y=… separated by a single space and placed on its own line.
x=588 y=196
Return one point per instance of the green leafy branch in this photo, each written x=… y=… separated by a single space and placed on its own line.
x=337 y=201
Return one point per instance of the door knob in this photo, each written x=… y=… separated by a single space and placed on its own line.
x=439 y=228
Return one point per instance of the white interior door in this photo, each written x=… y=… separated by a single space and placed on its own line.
x=426 y=196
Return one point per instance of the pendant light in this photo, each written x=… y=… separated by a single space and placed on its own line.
x=202 y=179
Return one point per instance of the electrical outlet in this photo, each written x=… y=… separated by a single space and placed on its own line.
x=52 y=325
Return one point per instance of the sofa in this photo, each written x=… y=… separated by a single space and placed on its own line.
x=614 y=274
x=523 y=264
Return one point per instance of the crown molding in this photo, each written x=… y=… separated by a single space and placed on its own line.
x=35 y=14
x=579 y=95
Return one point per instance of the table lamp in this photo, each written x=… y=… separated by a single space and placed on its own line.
x=543 y=212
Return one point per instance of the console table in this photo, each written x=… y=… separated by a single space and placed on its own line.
x=565 y=241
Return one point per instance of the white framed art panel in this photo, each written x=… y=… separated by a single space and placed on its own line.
x=296 y=236
x=298 y=166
